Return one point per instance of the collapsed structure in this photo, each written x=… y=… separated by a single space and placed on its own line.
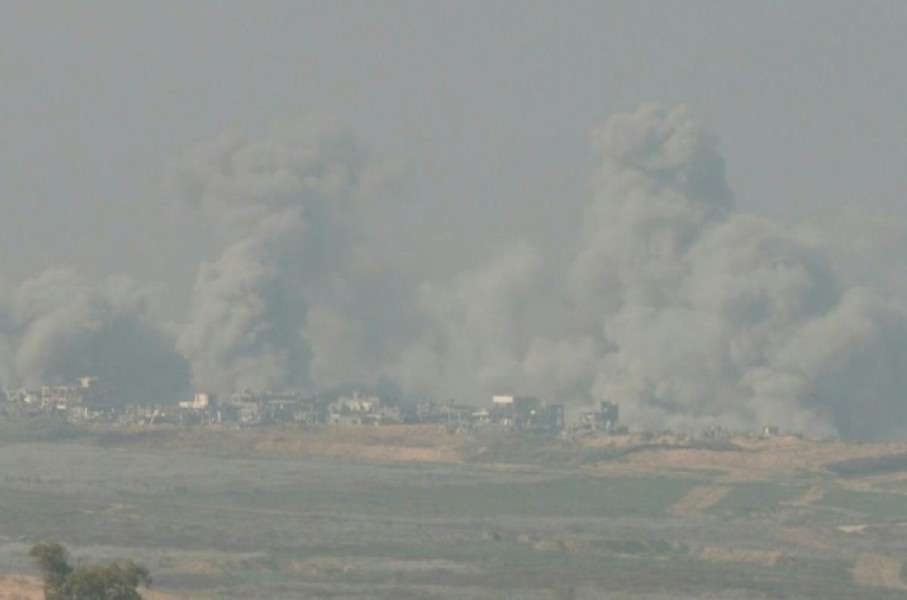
x=92 y=401
x=89 y=400
x=605 y=419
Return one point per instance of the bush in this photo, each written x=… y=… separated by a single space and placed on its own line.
x=110 y=581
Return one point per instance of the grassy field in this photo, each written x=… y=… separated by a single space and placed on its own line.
x=562 y=496
x=220 y=524
x=755 y=498
x=870 y=505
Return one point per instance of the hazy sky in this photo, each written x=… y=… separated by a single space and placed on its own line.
x=489 y=103
x=369 y=191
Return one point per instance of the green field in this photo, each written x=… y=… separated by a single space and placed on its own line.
x=754 y=498
x=873 y=506
x=287 y=527
x=565 y=497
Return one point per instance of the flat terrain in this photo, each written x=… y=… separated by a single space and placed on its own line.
x=415 y=512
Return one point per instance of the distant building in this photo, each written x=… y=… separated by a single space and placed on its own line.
x=605 y=419
x=200 y=401
x=548 y=418
x=525 y=413
x=358 y=403
x=520 y=403
x=361 y=409
x=60 y=397
x=97 y=394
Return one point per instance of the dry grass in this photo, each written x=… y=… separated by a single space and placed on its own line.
x=750 y=459
x=758 y=459
x=741 y=555
x=388 y=443
x=14 y=586
x=813 y=494
x=802 y=536
x=877 y=570
x=20 y=587
x=698 y=499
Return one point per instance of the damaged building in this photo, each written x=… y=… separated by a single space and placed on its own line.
x=605 y=419
x=526 y=413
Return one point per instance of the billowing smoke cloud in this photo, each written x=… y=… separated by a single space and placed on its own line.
x=660 y=183
x=718 y=317
x=685 y=310
x=476 y=333
x=247 y=312
x=500 y=327
x=288 y=205
x=60 y=326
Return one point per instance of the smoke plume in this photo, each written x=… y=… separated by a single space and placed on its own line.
x=685 y=310
x=718 y=317
x=60 y=326
x=288 y=206
x=676 y=304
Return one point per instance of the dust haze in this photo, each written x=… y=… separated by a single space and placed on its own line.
x=675 y=303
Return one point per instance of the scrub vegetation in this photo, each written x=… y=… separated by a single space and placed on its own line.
x=215 y=523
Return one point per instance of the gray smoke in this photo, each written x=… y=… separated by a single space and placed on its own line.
x=288 y=206
x=476 y=332
x=247 y=312
x=683 y=309
x=718 y=317
x=676 y=304
x=60 y=326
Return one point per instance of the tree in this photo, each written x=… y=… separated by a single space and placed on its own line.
x=103 y=581
x=53 y=562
